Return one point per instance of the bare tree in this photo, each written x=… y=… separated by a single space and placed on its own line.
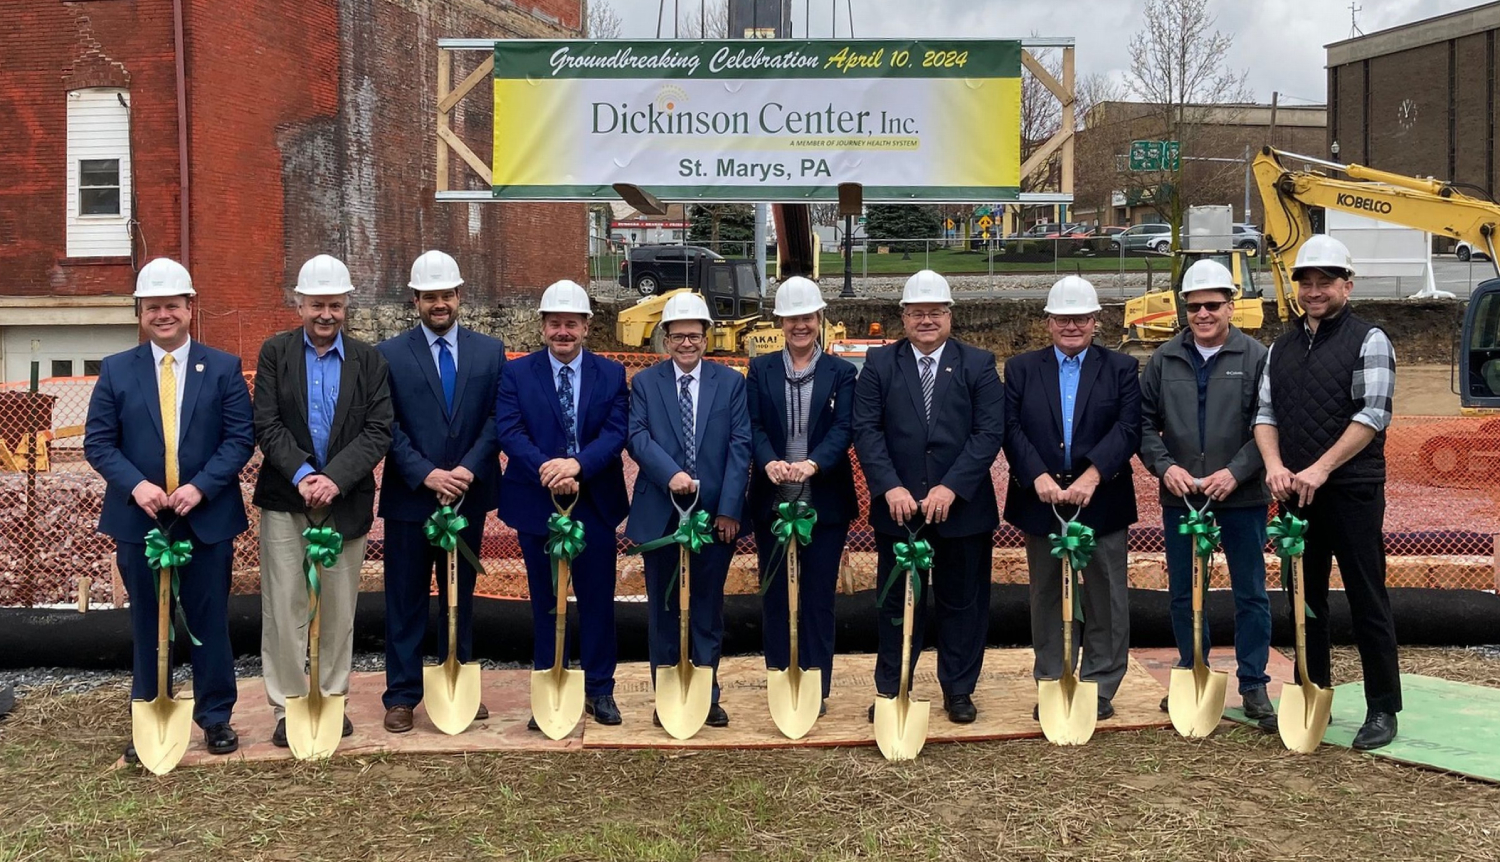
x=603 y=21
x=710 y=20
x=1178 y=70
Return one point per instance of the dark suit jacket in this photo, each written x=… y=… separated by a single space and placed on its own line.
x=899 y=448
x=529 y=422
x=425 y=437
x=830 y=430
x=657 y=445
x=123 y=441
x=358 y=439
x=1106 y=433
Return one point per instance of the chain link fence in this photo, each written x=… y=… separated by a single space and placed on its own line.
x=1443 y=513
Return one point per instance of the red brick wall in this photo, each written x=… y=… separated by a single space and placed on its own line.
x=46 y=49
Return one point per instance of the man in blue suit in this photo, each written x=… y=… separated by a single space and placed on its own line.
x=443 y=450
x=561 y=416
x=690 y=433
x=169 y=428
x=1073 y=422
x=928 y=423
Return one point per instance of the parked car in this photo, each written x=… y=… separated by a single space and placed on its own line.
x=1465 y=251
x=1247 y=237
x=1144 y=237
x=654 y=269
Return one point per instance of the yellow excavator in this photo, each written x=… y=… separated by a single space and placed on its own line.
x=1292 y=196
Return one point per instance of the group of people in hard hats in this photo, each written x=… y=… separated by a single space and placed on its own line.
x=1218 y=418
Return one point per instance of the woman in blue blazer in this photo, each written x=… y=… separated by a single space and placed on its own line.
x=801 y=403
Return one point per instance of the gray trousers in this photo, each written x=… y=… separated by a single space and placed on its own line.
x=1104 y=635
x=284 y=608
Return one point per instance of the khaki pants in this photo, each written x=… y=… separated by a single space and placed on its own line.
x=284 y=609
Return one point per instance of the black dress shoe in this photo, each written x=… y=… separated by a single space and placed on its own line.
x=1377 y=731
x=1036 y=713
x=603 y=709
x=278 y=736
x=1106 y=709
x=960 y=708
x=655 y=719
x=717 y=717
x=1166 y=708
x=532 y=725
x=822 y=709
x=221 y=739
x=872 y=706
x=130 y=755
x=348 y=726
x=1257 y=705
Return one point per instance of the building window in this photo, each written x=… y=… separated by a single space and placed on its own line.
x=98 y=168
x=62 y=368
x=99 y=187
x=91 y=367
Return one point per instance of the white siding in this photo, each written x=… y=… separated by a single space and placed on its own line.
x=60 y=346
x=98 y=128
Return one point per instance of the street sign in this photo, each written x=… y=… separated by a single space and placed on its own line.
x=1171 y=155
x=985 y=222
x=949 y=224
x=1155 y=155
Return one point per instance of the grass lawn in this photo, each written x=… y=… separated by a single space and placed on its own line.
x=1145 y=795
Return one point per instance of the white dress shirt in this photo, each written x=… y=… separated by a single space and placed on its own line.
x=179 y=368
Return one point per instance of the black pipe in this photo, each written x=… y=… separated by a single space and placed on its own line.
x=101 y=638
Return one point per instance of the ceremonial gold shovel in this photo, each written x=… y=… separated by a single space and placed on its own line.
x=160 y=728
x=1303 y=713
x=557 y=692
x=795 y=695
x=900 y=722
x=450 y=691
x=315 y=722
x=1067 y=708
x=1195 y=695
x=684 y=691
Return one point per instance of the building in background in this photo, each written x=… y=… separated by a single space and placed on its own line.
x=1418 y=99
x=760 y=19
x=243 y=138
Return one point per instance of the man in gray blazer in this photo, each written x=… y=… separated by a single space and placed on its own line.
x=323 y=421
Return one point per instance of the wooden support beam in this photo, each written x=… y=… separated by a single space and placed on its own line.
x=481 y=72
x=1069 y=121
x=475 y=162
x=444 y=78
x=1044 y=152
x=1063 y=94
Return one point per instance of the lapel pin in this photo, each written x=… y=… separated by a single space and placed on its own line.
x=198 y=367
x=949 y=369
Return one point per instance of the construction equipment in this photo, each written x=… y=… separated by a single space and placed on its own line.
x=160 y=728
x=795 y=696
x=735 y=324
x=1293 y=198
x=450 y=691
x=557 y=692
x=1195 y=695
x=684 y=691
x=1067 y=707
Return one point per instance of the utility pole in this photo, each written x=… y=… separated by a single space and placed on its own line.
x=1271 y=133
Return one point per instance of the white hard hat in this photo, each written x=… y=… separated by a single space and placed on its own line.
x=685 y=306
x=435 y=270
x=324 y=275
x=1322 y=251
x=926 y=286
x=798 y=295
x=163 y=277
x=1072 y=295
x=567 y=296
x=1207 y=275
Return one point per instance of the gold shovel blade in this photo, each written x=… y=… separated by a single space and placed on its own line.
x=314 y=725
x=1195 y=707
x=795 y=696
x=161 y=729
x=1067 y=713
x=557 y=700
x=901 y=727
x=684 y=694
x=1302 y=716
x=450 y=693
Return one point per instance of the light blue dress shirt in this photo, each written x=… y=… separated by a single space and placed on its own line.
x=323 y=374
x=577 y=366
x=1068 y=370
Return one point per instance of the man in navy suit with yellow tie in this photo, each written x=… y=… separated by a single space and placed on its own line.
x=443 y=450
x=169 y=428
x=561 y=417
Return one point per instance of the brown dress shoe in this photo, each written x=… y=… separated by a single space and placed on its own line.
x=482 y=714
x=398 y=719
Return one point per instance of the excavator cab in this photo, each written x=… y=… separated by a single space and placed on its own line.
x=1479 y=349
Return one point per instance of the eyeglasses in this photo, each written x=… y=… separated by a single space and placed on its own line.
x=926 y=315
x=1211 y=307
x=685 y=338
x=1079 y=320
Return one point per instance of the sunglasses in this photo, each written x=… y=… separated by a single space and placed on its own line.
x=1211 y=307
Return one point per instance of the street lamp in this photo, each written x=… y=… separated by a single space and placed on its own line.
x=1334 y=148
x=851 y=204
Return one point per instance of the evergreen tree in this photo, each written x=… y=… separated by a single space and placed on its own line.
x=728 y=229
x=909 y=224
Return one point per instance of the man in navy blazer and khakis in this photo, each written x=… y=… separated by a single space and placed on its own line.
x=690 y=433
x=1073 y=422
x=561 y=415
x=169 y=428
x=929 y=418
x=443 y=451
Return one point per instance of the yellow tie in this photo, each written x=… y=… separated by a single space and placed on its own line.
x=168 y=395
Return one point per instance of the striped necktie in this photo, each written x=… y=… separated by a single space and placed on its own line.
x=685 y=405
x=927 y=380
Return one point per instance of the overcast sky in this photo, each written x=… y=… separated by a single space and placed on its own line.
x=1280 y=42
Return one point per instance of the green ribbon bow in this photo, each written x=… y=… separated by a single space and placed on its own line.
x=1200 y=524
x=1076 y=544
x=794 y=520
x=1288 y=536
x=442 y=531
x=694 y=533
x=564 y=542
x=914 y=558
x=163 y=553
x=324 y=544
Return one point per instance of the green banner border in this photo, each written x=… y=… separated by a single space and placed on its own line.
x=694 y=58
x=766 y=194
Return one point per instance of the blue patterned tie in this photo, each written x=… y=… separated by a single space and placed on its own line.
x=685 y=405
x=447 y=371
x=570 y=419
